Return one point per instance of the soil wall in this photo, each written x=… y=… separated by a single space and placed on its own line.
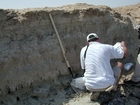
x=29 y=49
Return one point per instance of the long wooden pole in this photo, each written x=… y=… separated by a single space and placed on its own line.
x=61 y=45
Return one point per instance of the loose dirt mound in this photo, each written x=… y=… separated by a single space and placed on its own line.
x=131 y=10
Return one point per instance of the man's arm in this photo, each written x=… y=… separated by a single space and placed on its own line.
x=124 y=48
x=81 y=59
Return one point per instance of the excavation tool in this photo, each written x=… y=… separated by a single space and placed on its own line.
x=61 y=45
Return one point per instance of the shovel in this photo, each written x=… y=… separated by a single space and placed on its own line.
x=61 y=45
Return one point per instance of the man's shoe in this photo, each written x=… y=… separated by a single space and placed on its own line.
x=132 y=83
x=94 y=96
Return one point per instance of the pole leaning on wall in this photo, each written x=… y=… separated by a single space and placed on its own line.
x=61 y=45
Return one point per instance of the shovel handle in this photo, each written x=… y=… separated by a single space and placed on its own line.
x=61 y=45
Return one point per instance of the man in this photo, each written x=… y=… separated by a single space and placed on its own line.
x=135 y=80
x=95 y=59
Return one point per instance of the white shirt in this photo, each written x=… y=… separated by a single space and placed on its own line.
x=98 y=71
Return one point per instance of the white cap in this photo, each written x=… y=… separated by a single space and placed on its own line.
x=92 y=36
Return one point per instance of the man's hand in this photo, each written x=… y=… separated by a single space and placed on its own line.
x=124 y=48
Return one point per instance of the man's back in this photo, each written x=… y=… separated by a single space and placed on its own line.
x=99 y=73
